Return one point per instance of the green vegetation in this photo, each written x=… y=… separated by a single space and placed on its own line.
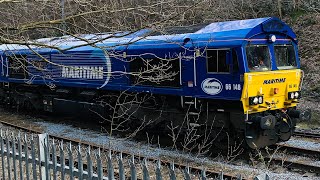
x=294 y=15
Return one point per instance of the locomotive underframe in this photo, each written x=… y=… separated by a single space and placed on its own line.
x=201 y=115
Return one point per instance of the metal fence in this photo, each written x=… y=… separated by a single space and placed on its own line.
x=38 y=157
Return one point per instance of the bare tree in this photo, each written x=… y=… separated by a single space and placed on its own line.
x=32 y=24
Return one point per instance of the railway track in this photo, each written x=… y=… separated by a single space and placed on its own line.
x=296 y=164
x=307 y=134
x=298 y=150
x=290 y=164
x=196 y=170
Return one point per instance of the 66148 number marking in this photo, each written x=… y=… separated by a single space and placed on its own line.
x=235 y=87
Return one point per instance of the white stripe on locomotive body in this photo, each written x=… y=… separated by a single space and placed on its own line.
x=108 y=64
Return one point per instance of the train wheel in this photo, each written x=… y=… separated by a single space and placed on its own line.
x=286 y=129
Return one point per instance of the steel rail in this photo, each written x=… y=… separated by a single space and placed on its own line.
x=307 y=134
x=289 y=164
x=298 y=150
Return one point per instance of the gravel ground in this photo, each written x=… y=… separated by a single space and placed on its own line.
x=149 y=151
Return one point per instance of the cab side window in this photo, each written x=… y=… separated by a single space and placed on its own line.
x=217 y=60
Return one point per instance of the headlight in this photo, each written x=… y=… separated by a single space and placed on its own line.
x=272 y=38
x=255 y=100
x=294 y=95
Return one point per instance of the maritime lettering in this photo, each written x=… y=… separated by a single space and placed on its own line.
x=82 y=72
x=273 y=81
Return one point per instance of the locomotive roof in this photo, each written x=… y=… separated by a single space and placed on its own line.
x=218 y=33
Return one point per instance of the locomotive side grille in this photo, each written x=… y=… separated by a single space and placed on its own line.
x=18 y=66
x=155 y=72
x=84 y=66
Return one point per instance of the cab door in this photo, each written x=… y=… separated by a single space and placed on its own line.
x=218 y=74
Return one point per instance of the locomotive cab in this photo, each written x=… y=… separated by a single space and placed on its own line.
x=256 y=62
x=272 y=85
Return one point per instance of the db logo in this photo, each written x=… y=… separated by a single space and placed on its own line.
x=211 y=86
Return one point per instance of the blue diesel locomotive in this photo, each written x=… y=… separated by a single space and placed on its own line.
x=242 y=77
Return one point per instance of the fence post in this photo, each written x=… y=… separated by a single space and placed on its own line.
x=89 y=163
x=158 y=170
x=133 y=171
x=20 y=156
x=42 y=148
x=187 y=173
x=8 y=156
x=69 y=149
x=220 y=177
x=145 y=170
x=121 y=168
x=33 y=155
x=47 y=159
x=54 y=160
x=26 y=154
x=99 y=165
x=80 y=166
x=62 y=161
x=14 y=163
x=110 y=167
x=2 y=155
x=171 y=172
x=203 y=174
